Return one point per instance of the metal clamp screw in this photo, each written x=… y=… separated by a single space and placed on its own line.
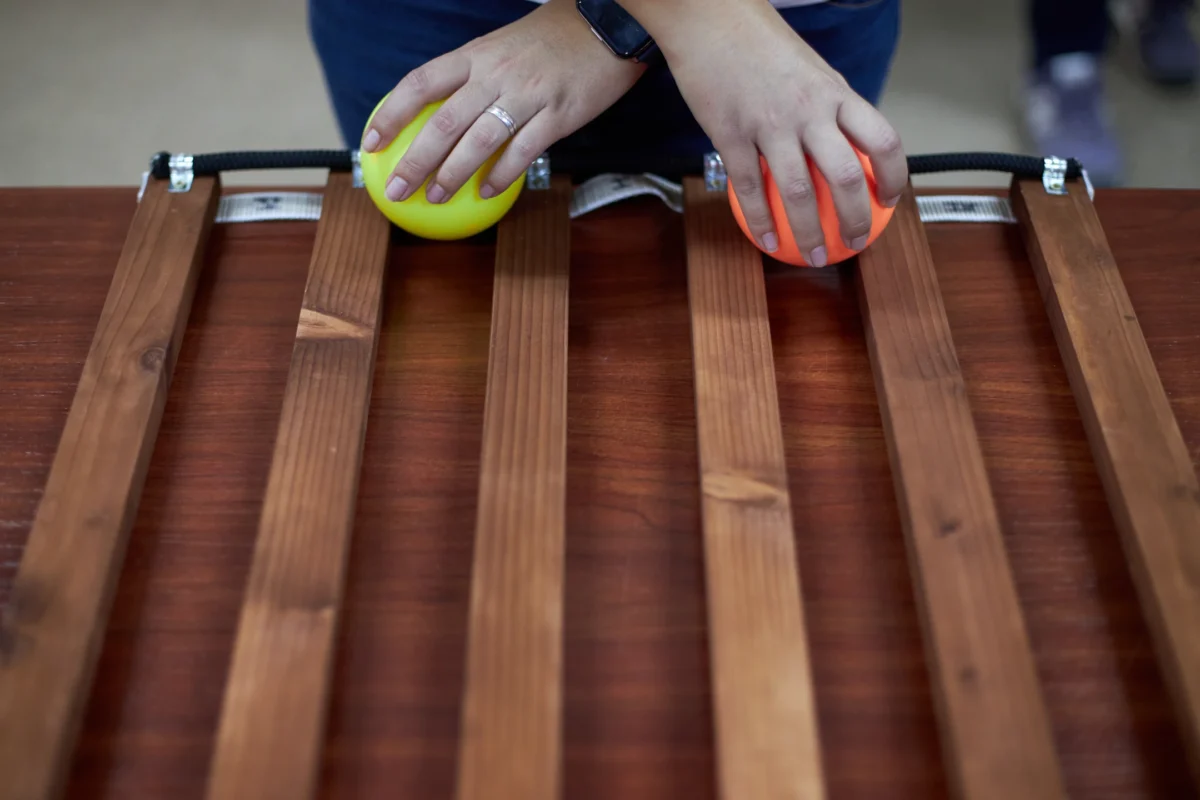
x=1054 y=175
x=714 y=172
x=538 y=174
x=181 y=172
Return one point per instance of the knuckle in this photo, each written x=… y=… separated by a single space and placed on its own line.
x=417 y=81
x=748 y=184
x=796 y=190
x=859 y=226
x=444 y=121
x=848 y=175
x=503 y=64
x=831 y=86
x=449 y=177
x=528 y=149
x=759 y=217
x=820 y=90
x=889 y=142
x=410 y=167
x=485 y=138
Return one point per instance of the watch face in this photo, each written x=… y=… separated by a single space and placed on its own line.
x=613 y=24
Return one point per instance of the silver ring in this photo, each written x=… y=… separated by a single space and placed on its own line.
x=502 y=115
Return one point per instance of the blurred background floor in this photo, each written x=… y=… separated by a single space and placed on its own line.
x=89 y=90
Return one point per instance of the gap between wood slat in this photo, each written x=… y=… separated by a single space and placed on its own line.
x=273 y=718
x=52 y=629
x=766 y=722
x=995 y=730
x=511 y=739
x=1144 y=464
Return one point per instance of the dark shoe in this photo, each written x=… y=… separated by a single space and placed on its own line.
x=1065 y=116
x=1166 y=46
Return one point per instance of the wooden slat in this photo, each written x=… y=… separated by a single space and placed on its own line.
x=51 y=631
x=1142 y=459
x=272 y=721
x=766 y=724
x=510 y=746
x=996 y=736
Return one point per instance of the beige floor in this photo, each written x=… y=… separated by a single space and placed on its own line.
x=88 y=90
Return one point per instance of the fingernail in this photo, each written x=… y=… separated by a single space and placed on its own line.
x=857 y=244
x=372 y=141
x=486 y=191
x=396 y=187
x=892 y=203
x=770 y=242
x=436 y=194
x=817 y=257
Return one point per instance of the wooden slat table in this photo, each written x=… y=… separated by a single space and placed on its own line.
x=637 y=719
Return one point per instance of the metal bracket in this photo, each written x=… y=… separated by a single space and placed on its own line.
x=1054 y=175
x=538 y=174
x=181 y=172
x=356 y=174
x=714 y=172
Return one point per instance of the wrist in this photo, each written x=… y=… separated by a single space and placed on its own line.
x=678 y=25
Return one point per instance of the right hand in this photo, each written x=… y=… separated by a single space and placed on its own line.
x=547 y=70
x=756 y=87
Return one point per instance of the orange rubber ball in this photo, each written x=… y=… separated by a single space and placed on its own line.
x=835 y=249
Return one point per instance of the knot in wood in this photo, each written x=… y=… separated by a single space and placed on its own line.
x=152 y=359
x=742 y=489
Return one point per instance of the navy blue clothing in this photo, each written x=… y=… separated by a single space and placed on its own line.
x=366 y=46
x=1076 y=26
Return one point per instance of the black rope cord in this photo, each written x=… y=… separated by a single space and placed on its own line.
x=214 y=163
x=1021 y=166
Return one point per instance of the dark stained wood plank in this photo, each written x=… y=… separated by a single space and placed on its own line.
x=1145 y=465
x=272 y=724
x=511 y=737
x=766 y=722
x=995 y=730
x=53 y=624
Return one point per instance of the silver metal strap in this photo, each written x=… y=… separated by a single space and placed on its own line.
x=538 y=174
x=180 y=165
x=1054 y=175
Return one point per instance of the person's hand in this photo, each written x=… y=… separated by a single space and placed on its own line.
x=546 y=70
x=756 y=87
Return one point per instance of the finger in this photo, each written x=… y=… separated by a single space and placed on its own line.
x=485 y=136
x=437 y=138
x=532 y=139
x=427 y=83
x=877 y=139
x=743 y=169
x=794 y=182
x=836 y=160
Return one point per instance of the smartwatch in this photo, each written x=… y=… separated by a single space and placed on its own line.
x=619 y=31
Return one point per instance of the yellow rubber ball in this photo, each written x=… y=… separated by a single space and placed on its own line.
x=465 y=214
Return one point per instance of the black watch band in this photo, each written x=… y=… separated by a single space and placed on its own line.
x=619 y=31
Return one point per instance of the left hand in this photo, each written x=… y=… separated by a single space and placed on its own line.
x=547 y=70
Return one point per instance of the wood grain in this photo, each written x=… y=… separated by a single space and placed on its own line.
x=995 y=730
x=766 y=720
x=1145 y=465
x=512 y=706
x=57 y=611
x=637 y=704
x=273 y=718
